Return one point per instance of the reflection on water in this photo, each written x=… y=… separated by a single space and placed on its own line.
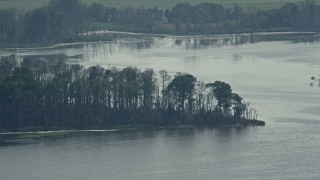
x=77 y=53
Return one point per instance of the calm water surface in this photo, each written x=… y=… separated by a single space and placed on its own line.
x=273 y=73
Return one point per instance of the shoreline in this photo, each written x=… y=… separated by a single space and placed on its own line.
x=248 y=123
x=103 y=32
x=57 y=131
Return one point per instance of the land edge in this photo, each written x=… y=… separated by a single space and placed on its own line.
x=59 y=133
x=62 y=44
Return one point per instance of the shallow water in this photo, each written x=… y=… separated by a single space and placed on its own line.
x=271 y=72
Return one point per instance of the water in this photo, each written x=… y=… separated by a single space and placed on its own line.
x=271 y=72
x=273 y=152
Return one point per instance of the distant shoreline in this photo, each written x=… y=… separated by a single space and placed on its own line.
x=101 y=32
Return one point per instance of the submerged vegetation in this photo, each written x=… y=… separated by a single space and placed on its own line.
x=36 y=94
x=72 y=20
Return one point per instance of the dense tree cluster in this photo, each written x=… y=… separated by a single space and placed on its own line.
x=37 y=94
x=214 y=18
x=60 y=20
x=68 y=20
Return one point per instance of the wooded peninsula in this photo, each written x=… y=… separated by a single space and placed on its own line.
x=36 y=95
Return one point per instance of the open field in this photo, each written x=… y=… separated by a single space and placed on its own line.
x=25 y=5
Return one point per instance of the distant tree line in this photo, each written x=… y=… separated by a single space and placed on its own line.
x=58 y=96
x=214 y=18
x=59 y=21
x=68 y=20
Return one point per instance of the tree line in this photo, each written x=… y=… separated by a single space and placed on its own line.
x=214 y=18
x=36 y=94
x=68 y=20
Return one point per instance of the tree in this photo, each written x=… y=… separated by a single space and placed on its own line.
x=164 y=78
x=180 y=14
x=308 y=14
x=7 y=64
x=8 y=26
x=148 y=86
x=183 y=87
x=66 y=6
x=238 y=106
x=74 y=14
x=223 y=93
x=97 y=12
x=38 y=25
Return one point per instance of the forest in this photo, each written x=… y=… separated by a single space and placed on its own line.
x=71 y=20
x=45 y=96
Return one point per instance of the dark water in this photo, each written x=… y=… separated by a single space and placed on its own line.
x=270 y=71
x=273 y=152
